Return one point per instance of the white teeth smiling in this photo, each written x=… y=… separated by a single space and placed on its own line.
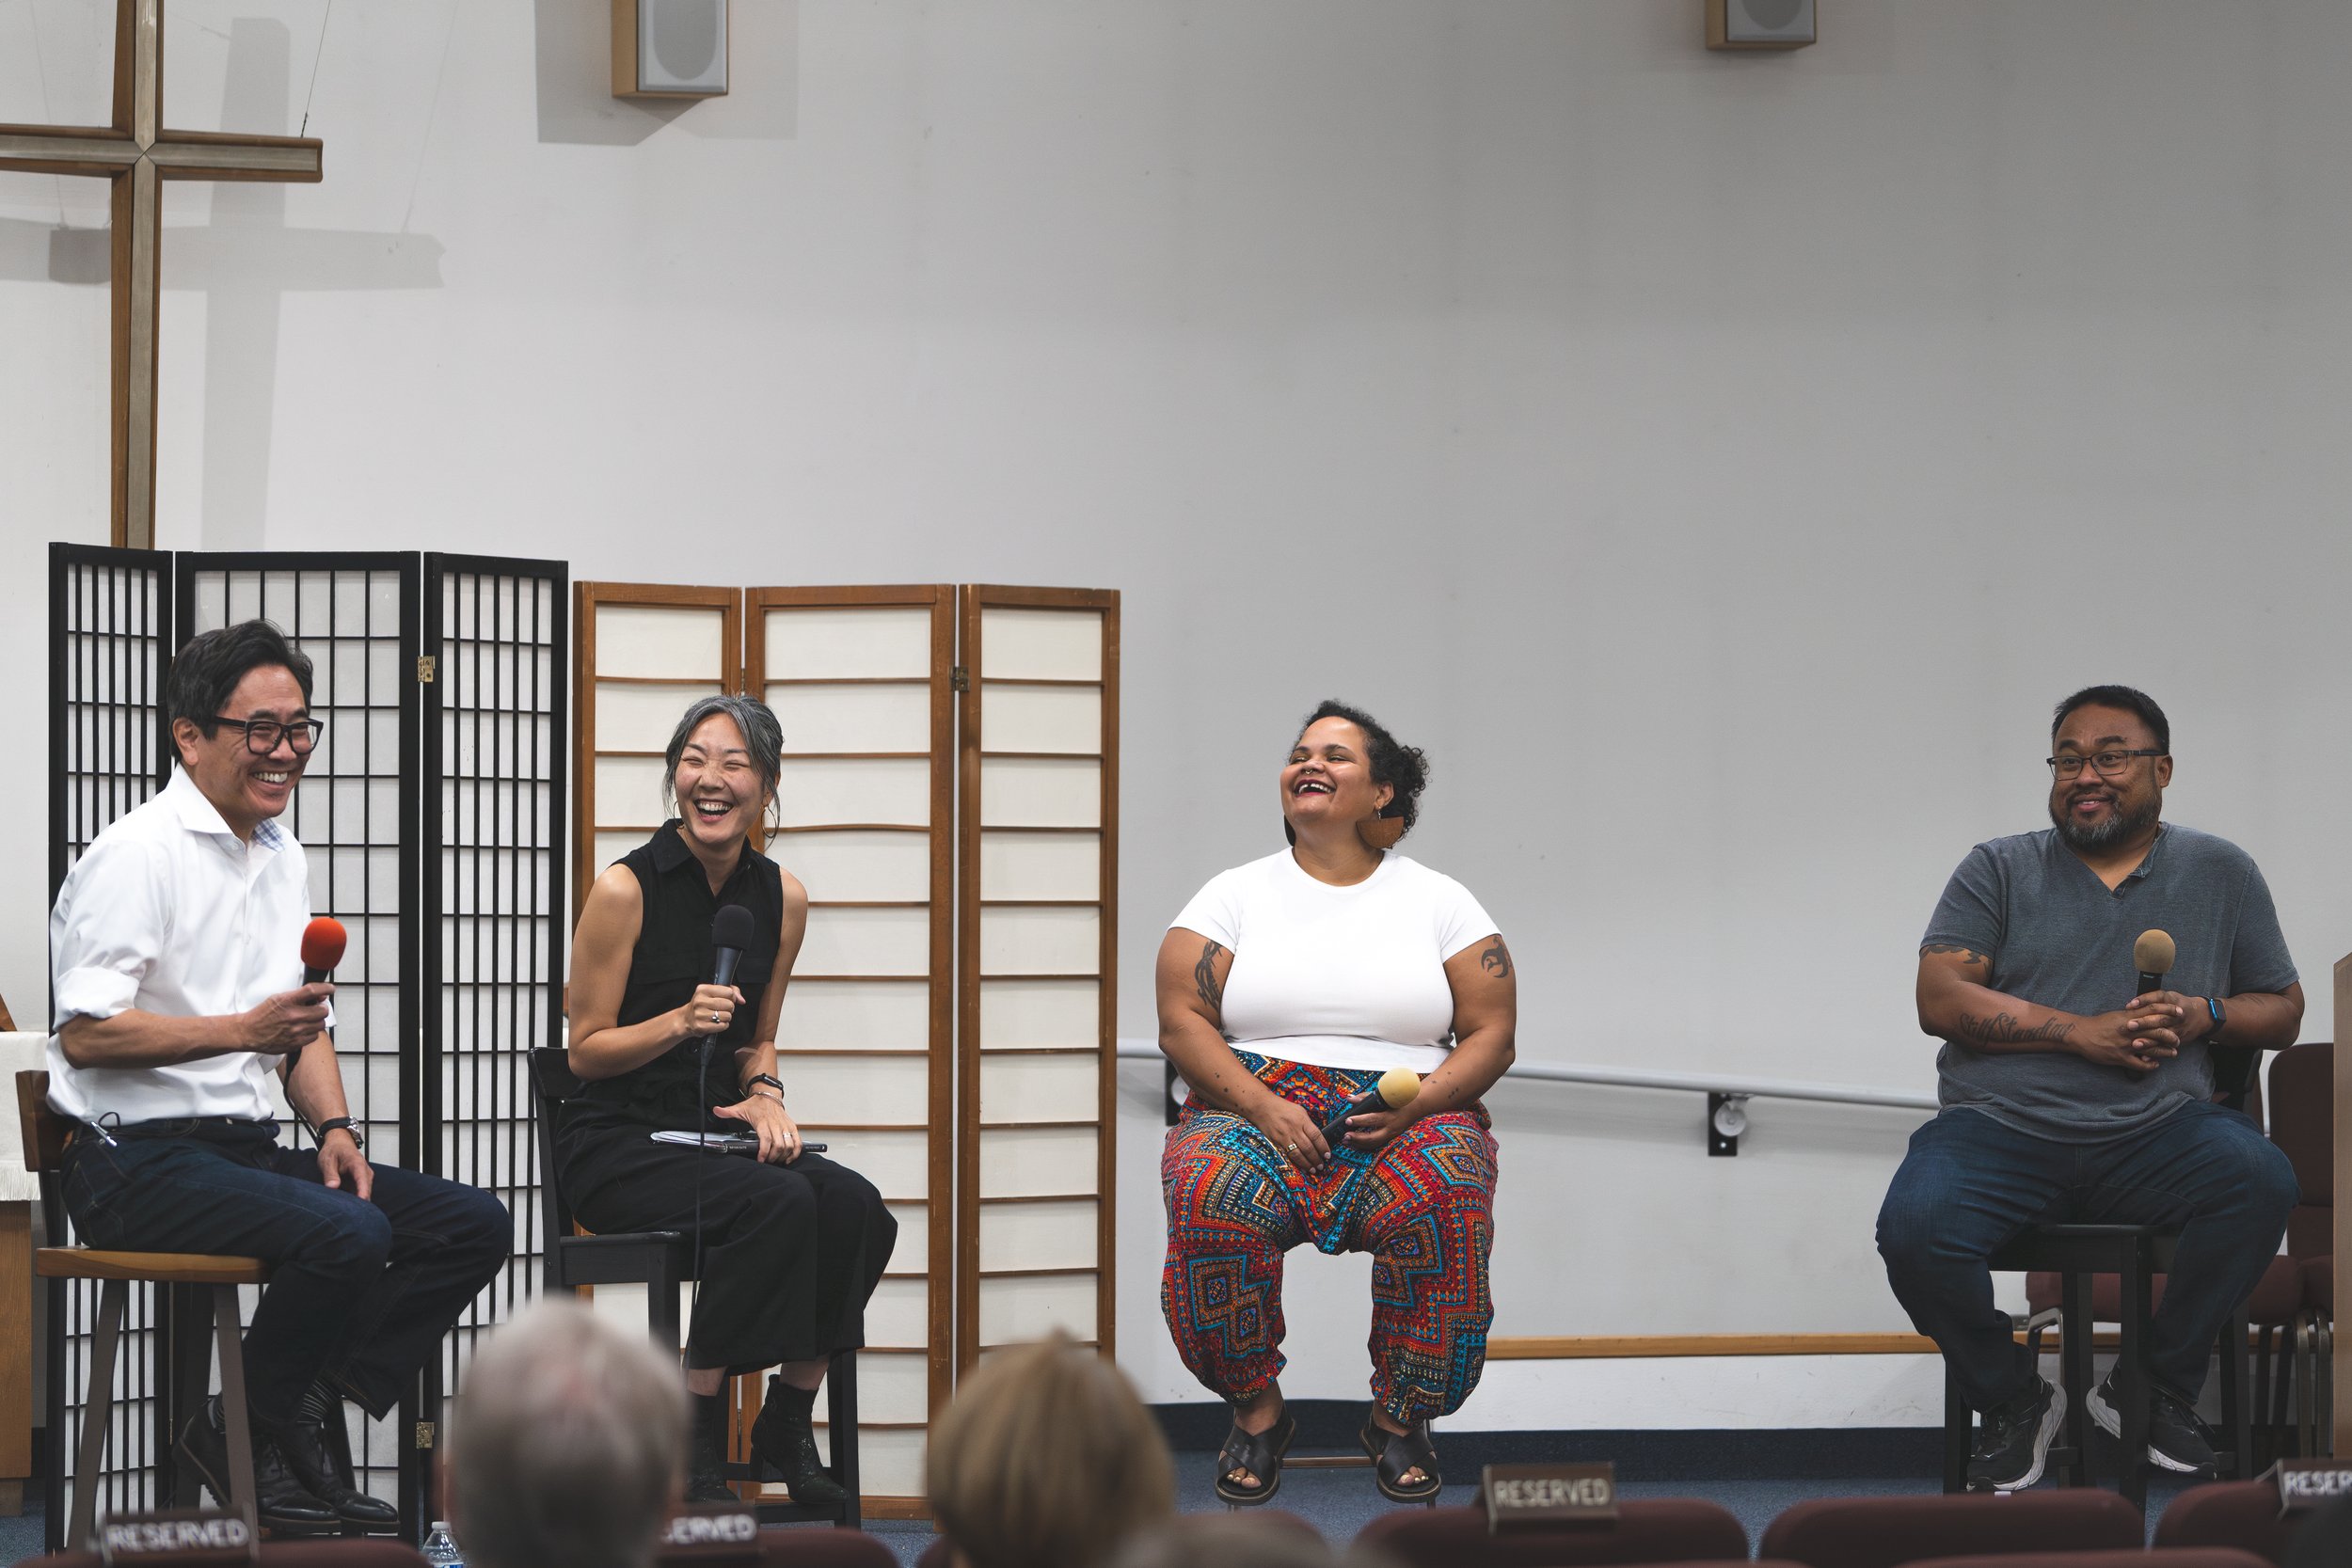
x=1312 y=786
x=713 y=808
x=273 y=778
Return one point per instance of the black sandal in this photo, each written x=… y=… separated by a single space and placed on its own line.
x=1258 y=1452
x=1393 y=1453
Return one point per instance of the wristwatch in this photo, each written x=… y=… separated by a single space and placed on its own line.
x=758 y=1078
x=359 y=1139
x=2220 y=1017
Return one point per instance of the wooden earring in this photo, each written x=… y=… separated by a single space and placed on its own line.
x=1381 y=832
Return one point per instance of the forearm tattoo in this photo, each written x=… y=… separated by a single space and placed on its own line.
x=2004 y=1029
x=1204 y=981
x=1496 y=961
x=1965 y=955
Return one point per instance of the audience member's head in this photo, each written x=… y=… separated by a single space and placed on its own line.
x=1046 y=1459
x=1252 y=1540
x=568 y=1446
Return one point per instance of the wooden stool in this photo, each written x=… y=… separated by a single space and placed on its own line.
x=216 y=1278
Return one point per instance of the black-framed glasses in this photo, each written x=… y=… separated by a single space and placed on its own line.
x=2109 y=765
x=261 y=735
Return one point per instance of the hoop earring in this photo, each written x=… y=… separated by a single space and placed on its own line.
x=1381 y=832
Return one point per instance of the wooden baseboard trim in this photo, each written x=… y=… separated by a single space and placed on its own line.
x=1637 y=1347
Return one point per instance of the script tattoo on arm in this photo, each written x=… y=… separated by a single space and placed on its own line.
x=1963 y=954
x=1204 y=981
x=1496 y=961
x=2004 y=1029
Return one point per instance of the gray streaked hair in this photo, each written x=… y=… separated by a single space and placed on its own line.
x=568 y=1444
x=753 y=719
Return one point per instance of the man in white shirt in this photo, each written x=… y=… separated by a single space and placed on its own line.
x=176 y=968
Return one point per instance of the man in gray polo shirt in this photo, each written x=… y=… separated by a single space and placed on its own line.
x=2068 y=1099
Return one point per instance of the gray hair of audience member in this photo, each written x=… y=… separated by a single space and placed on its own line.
x=763 y=737
x=1240 y=1541
x=568 y=1445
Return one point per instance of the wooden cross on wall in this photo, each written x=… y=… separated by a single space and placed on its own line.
x=138 y=155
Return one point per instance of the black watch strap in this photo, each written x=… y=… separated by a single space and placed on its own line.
x=758 y=1078
x=347 y=1124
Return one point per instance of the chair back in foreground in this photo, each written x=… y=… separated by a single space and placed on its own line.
x=1882 y=1532
x=2173 y=1557
x=1646 y=1530
x=358 y=1551
x=786 y=1548
x=2239 y=1513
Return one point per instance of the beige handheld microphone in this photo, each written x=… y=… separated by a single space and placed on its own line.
x=2154 y=953
x=1395 y=1090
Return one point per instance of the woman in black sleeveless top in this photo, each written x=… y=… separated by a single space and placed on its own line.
x=792 y=1244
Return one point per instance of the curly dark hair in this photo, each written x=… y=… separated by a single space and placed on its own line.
x=1402 y=768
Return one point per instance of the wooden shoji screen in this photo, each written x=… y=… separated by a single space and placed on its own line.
x=860 y=679
x=1039 y=814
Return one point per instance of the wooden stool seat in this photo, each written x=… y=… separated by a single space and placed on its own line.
x=163 y=1268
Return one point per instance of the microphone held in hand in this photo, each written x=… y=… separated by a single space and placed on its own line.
x=323 y=943
x=1395 y=1090
x=2152 y=953
x=730 y=933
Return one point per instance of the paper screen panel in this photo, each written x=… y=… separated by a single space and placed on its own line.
x=1040 y=792
x=1030 y=1306
x=1033 y=939
x=1015 y=864
x=1045 y=719
x=1021 y=1236
x=858 y=681
x=1038 y=643
x=1040 y=1013
x=1025 y=1087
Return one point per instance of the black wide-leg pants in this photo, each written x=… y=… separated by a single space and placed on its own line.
x=790 y=1254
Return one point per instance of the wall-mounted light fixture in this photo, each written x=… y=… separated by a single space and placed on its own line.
x=1760 y=24
x=675 y=48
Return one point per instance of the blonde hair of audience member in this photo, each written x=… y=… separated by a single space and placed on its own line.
x=1240 y=1541
x=568 y=1446
x=1046 y=1459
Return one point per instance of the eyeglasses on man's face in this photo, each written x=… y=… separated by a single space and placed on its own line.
x=261 y=735
x=2108 y=765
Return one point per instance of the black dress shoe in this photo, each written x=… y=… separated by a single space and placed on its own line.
x=303 y=1443
x=281 y=1503
x=784 y=1436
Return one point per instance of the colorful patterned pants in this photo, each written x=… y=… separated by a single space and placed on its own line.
x=1423 y=1207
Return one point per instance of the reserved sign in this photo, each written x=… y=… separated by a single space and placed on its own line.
x=2308 y=1484
x=192 y=1535
x=1519 y=1496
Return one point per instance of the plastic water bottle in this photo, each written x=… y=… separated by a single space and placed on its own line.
x=440 y=1548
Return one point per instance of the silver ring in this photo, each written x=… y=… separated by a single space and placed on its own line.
x=714 y=1016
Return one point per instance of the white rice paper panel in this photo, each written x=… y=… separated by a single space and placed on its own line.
x=856 y=1014
x=1041 y=866
x=814 y=792
x=1037 y=792
x=640 y=718
x=626 y=1305
x=833 y=641
x=659 y=642
x=1039 y=1012
x=628 y=789
x=1029 y=1308
x=1036 y=1161
x=1038 y=1236
x=826 y=1090
x=910 y=1253
x=1040 y=942
x=899 y=1316
x=897 y=1163
x=1040 y=645
x=612 y=846
x=889 y=1388
x=1042 y=719
x=889 y=1464
x=854 y=718
x=1040 y=1088
x=865 y=941
x=859 y=866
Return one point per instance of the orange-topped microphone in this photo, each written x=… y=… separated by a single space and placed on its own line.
x=1395 y=1090
x=2154 y=953
x=323 y=942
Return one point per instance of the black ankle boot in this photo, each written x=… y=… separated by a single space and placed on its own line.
x=302 y=1441
x=784 y=1436
x=706 y=1457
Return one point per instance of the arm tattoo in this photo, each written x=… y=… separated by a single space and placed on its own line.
x=1965 y=955
x=2004 y=1029
x=1496 y=961
x=1204 y=981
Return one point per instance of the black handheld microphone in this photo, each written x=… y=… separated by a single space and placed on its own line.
x=1396 y=1088
x=730 y=933
x=2152 y=953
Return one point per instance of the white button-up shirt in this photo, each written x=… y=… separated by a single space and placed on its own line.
x=171 y=912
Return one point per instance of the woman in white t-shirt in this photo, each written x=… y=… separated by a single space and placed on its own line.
x=1286 y=988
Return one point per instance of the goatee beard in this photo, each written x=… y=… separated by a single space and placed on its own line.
x=2121 y=826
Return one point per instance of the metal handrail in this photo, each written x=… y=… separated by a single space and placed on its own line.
x=1731 y=1084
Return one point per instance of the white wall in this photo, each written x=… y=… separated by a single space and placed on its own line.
x=1719 y=464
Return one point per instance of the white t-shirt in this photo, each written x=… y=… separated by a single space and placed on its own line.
x=1339 y=976
x=171 y=912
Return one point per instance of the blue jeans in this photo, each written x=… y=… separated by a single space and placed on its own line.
x=359 y=1292
x=1971 y=1184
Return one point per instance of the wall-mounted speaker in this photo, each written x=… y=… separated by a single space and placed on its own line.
x=1760 y=24
x=669 y=48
